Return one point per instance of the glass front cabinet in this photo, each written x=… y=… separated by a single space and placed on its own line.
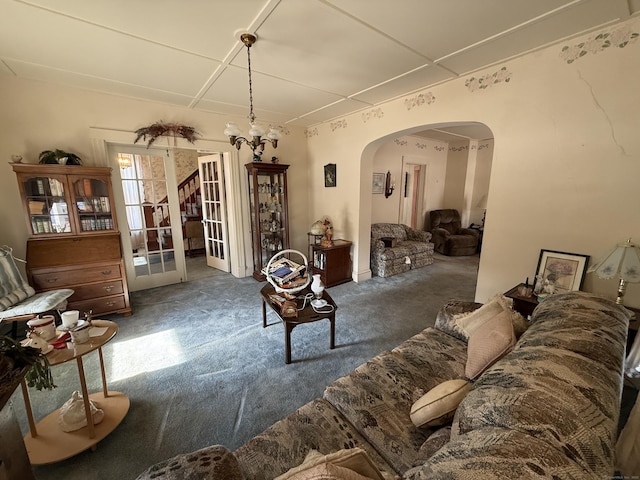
x=269 y=215
x=66 y=200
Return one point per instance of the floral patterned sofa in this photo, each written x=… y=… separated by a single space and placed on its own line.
x=548 y=408
x=397 y=248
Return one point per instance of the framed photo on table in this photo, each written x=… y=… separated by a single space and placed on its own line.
x=378 y=183
x=565 y=271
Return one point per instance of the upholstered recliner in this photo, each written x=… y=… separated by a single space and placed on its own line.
x=397 y=248
x=448 y=235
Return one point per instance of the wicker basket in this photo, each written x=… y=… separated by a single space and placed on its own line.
x=297 y=288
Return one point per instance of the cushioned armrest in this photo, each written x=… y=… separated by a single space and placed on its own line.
x=440 y=232
x=418 y=235
x=213 y=463
x=469 y=231
x=377 y=245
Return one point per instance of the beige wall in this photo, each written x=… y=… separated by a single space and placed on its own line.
x=565 y=164
x=563 y=175
x=37 y=117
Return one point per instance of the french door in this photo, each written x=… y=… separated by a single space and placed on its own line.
x=147 y=197
x=214 y=211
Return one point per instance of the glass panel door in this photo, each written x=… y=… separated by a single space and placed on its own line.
x=152 y=240
x=47 y=205
x=214 y=211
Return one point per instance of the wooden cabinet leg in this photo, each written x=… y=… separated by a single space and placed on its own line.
x=27 y=406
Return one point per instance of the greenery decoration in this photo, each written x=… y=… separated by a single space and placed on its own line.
x=160 y=129
x=15 y=357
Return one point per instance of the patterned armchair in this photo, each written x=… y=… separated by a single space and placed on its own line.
x=449 y=237
x=397 y=248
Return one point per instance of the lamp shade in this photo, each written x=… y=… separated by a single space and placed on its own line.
x=623 y=261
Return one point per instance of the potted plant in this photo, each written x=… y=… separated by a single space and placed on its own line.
x=59 y=157
x=15 y=358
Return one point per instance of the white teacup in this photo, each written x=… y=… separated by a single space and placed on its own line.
x=70 y=318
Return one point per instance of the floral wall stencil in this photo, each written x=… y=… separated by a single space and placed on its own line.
x=400 y=142
x=488 y=80
x=375 y=113
x=338 y=124
x=311 y=132
x=617 y=38
x=418 y=100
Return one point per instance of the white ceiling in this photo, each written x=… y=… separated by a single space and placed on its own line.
x=314 y=60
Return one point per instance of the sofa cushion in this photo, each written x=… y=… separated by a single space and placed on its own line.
x=498 y=454
x=326 y=471
x=377 y=396
x=488 y=344
x=215 y=461
x=354 y=460
x=437 y=406
x=431 y=445
x=13 y=288
x=395 y=230
x=407 y=248
x=316 y=425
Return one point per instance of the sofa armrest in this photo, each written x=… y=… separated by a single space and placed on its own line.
x=377 y=246
x=214 y=463
x=418 y=235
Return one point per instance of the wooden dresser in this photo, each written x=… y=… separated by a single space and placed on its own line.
x=74 y=236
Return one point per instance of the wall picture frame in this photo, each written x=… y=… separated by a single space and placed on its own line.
x=566 y=271
x=330 y=179
x=377 y=186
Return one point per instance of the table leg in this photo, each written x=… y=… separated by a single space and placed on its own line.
x=287 y=342
x=264 y=314
x=105 y=391
x=27 y=407
x=85 y=399
x=332 y=320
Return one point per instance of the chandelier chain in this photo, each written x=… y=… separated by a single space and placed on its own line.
x=252 y=117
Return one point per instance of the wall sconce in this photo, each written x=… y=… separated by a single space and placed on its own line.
x=389 y=185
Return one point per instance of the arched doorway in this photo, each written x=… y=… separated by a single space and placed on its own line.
x=453 y=164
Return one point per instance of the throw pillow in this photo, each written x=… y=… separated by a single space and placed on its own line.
x=355 y=459
x=438 y=405
x=488 y=344
x=469 y=322
x=327 y=471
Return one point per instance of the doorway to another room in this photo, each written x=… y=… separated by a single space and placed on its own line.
x=175 y=231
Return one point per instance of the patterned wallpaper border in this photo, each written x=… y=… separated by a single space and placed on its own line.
x=489 y=80
x=619 y=38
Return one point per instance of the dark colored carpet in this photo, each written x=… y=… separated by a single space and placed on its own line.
x=199 y=369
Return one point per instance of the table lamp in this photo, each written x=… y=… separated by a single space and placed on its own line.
x=623 y=261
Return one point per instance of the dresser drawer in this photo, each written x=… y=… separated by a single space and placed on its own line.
x=59 y=278
x=99 y=305
x=97 y=290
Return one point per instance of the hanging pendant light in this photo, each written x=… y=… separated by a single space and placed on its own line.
x=255 y=131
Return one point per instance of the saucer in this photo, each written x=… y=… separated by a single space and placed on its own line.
x=62 y=328
x=319 y=303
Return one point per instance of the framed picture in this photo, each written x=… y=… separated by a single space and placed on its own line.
x=330 y=175
x=565 y=271
x=378 y=183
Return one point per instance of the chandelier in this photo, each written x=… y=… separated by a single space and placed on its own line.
x=256 y=132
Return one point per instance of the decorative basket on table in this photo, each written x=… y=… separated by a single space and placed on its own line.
x=286 y=275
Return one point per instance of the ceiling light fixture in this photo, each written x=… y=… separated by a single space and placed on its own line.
x=256 y=132
x=124 y=160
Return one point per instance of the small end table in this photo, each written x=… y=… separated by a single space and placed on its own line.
x=306 y=315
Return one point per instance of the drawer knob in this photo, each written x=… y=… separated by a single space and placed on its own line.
x=110 y=304
x=108 y=288
x=106 y=272
x=52 y=280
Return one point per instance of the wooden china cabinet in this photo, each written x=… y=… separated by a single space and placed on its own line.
x=74 y=240
x=268 y=210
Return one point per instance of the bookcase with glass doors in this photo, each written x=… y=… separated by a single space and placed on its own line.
x=269 y=212
x=74 y=240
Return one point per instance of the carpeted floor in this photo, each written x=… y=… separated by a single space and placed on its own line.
x=199 y=369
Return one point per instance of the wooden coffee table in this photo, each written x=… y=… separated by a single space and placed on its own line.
x=306 y=315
